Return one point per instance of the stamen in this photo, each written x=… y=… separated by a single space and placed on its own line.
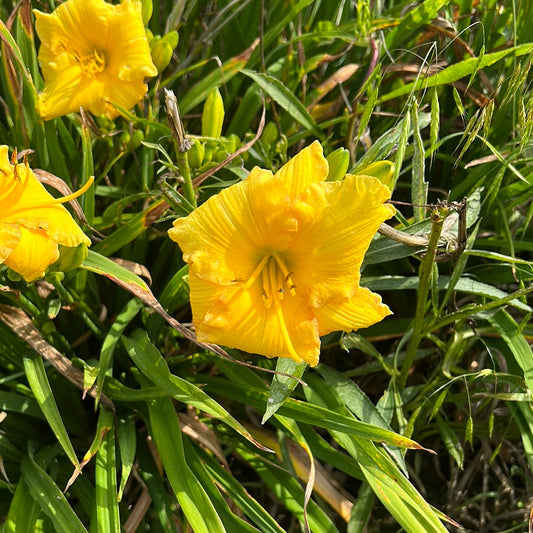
x=275 y=279
x=272 y=277
x=79 y=192
x=286 y=273
x=53 y=201
x=265 y=290
x=256 y=272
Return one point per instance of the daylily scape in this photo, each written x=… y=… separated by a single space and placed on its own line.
x=32 y=222
x=92 y=55
x=274 y=260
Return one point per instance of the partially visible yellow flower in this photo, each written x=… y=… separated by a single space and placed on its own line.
x=92 y=55
x=32 y=223
x=274 y=261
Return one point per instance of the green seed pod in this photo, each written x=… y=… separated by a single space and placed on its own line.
x=125 y=138
x=213 y=115
x=161 y=53
x=137 y=137
x=338 y=162
x=270 y=134
x=220 y=154
x=70 y=258
x=196 y=154
x=234 y=142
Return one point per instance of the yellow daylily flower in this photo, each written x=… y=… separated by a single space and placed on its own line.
x=274 y=261
x=92 y=55
x=32 y=222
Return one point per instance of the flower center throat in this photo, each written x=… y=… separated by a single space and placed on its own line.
x=276 y=280
x=91 y=64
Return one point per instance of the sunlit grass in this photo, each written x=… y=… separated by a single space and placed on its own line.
x=421 y=422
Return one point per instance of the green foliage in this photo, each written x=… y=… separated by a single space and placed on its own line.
x=113 y=418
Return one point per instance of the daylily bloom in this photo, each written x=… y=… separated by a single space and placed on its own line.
x=92 y=55
x=32 y=222
x=274 y=261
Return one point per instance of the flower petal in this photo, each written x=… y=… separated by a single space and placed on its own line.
x=115 y=91
x=363 y=309
x=130 y=58
x=33 y=255
x=75 y=26
x=66 y=92
x=34 y=210
x=306 y=167
x=327 y=255
x=238 y=318
x=228 y=236
x=9 y=239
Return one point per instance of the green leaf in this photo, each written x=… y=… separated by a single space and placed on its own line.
x=112 y=338
x=464 y=284
x=451 y=441
x=308 y=413
x=103 y=266
x=250 y=507
x=389 y=484
x=456 y=71
x=40 y=386
x=132 y=229
x=288 y=490
x=107 y=518
x=419 y=187
x=166 y=433
x=505 y=325
x=23 y=511
x=282 y=386
x=152 y=364
x=50 y=498
x=286 y=99
x=127 y=441
x=414 y=19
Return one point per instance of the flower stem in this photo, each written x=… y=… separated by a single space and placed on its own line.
x=182 y=162
x=426 y=268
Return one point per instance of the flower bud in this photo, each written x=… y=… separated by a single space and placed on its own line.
x=161 y=53
x=195 y=155
x=70 y=258
x=213 y=115
x=338 y=162
x=270 y=134
x=147 y=8
x=172 y=38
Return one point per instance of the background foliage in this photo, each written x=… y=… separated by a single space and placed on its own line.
x=442 y=88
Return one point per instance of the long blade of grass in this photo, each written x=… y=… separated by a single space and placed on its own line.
x=40 y=386
x=286 y=99
x=456 y=71
x=107 y=516
x=50 y=498
x=150 y=361
x=189 y=492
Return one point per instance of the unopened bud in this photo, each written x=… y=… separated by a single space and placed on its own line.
x=213 y=115
x=70 y=258
x=338 y=161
